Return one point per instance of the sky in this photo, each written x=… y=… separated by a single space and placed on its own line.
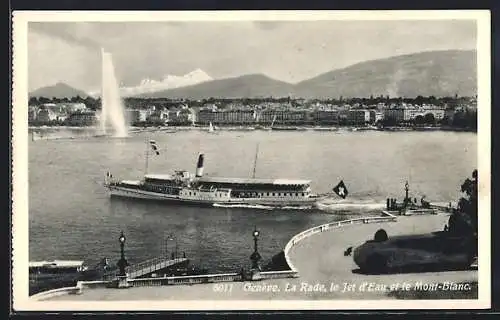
x=289 y=51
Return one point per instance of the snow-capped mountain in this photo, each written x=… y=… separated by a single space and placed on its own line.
x=168 y=82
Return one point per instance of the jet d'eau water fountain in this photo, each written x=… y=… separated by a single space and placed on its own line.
x=112 y=111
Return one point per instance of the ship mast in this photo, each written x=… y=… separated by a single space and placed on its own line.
x=255 y=161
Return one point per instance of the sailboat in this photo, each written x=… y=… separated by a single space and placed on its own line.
x=273 y=127
x=211 y=128
x=272 y=124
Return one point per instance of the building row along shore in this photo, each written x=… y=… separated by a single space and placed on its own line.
x=266 y=114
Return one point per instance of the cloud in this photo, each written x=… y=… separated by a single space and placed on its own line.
x=66 y=32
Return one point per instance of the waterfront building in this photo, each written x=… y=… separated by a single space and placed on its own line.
x=409 y=112
x=46 y=115
x=158 y=116
x=132 y=115
x=449 y=115
x=143 y=115
x=396 y=113
x=205 y=116
x=376 y=116
x=343 y=116
x=326 y=116
x=82 y=118
x=438 y=112
x=70 y=107
x=32 y=113
x=358 y=117
x=236 y=116
x=283 y=116
x=181 y=117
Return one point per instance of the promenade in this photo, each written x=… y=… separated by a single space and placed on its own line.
x=324 y=272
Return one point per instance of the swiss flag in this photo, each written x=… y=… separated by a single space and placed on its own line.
x=341 y=190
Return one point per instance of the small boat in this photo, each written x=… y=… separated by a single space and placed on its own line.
x=56 y=268
x=46 y=275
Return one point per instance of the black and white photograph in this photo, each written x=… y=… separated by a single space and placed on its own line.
x=258 y=160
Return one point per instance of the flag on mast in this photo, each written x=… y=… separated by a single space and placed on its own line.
x=155 y=148
x=341 y=190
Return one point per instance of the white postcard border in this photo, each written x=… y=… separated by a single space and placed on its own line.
x=20 y=219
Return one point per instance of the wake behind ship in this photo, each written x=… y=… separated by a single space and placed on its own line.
x=183 y=186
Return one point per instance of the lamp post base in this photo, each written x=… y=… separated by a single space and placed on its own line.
x=255 y=275
x=122 y=282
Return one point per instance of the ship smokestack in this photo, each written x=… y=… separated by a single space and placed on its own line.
x=199 y=167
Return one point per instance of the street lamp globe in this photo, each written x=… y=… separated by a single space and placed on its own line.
x=256 y=233
x=122 y=238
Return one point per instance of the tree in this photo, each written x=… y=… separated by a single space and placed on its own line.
x=33 y=101
x=419 y=120
x=429 y=119
x=464 y=219
x=419 y=100
x=389 y=122
x=43 y=100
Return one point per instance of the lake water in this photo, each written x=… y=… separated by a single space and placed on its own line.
x=72 y=217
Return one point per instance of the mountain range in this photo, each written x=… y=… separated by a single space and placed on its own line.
x=437 y=73
x=168 y=82
x=58 y=90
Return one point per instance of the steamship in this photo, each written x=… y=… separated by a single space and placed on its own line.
x=183 y=186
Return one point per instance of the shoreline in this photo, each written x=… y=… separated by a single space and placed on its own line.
x=313 y=269
x=246 y=128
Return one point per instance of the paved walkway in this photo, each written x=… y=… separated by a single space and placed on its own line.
x=324 y=272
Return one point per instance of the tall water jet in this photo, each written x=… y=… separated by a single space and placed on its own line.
x=112 y=107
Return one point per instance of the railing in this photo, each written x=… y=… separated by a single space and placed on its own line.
x=332 y=225
x=152 y=265
x=145 y=267
x=93 y=284
x=55 y=292
x=279 y=274
x=183 y=280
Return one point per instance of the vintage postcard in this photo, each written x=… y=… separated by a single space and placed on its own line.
x=295 y=160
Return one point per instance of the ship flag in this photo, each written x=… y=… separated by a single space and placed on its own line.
x=341 y=190
x=154 y=146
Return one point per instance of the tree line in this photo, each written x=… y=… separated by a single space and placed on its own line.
x=94 y=103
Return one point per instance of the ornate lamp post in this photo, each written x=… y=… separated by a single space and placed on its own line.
x=255 y=257
x=122 y=264
x=174 y=253
x=407 y=188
